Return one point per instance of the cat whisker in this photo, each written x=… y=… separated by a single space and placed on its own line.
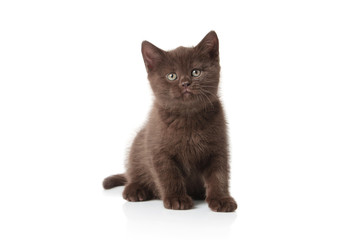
x=202 y=100
x=213 y=94
x=202 y=93
x=208 y=86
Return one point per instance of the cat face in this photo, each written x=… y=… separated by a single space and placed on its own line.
x=184 y=76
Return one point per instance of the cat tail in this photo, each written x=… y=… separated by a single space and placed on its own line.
x=114 y=181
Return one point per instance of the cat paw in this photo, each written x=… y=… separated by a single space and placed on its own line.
x=222 y=204
x=135 y=193
x=178 y=203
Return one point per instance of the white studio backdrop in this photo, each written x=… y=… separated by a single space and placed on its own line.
x=73 y=93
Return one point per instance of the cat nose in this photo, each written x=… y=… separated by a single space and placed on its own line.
x=185 y=84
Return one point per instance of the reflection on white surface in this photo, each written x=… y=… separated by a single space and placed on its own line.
x=151 y=218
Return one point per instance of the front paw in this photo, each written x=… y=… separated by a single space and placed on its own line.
x=178 y=202
x=222 y=204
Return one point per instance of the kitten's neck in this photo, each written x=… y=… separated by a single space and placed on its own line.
x=188 y=110
x=180 y=117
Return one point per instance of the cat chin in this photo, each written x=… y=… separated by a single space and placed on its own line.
x=187 y=96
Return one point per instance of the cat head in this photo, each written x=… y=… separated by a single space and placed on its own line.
x=184 y=76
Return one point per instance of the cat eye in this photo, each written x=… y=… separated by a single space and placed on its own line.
x=195 y=73
x=171 y=76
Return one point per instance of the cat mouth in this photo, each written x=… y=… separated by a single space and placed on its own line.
x=186 y=92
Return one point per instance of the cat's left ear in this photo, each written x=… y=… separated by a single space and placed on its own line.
x=152 y=55
x=210 y=45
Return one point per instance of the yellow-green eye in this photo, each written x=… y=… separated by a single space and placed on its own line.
x=195 y=73
x=171 y=76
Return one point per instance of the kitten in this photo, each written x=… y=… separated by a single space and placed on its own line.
x=182 y=151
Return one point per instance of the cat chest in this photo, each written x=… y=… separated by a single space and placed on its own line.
x=192 y=144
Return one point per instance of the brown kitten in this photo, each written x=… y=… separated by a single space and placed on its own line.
x=182 y=151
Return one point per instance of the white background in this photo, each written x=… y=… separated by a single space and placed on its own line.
x=73 y=93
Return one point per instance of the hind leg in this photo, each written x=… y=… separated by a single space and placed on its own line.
x=140 y=185
x=135 y=192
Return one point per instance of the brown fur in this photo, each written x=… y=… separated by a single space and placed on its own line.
x=182 y=151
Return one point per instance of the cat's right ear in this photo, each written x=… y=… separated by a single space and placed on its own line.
x=152 y=55
x=210 y=45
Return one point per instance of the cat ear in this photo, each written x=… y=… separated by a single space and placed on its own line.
x=152 y=55
x=210 y=44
